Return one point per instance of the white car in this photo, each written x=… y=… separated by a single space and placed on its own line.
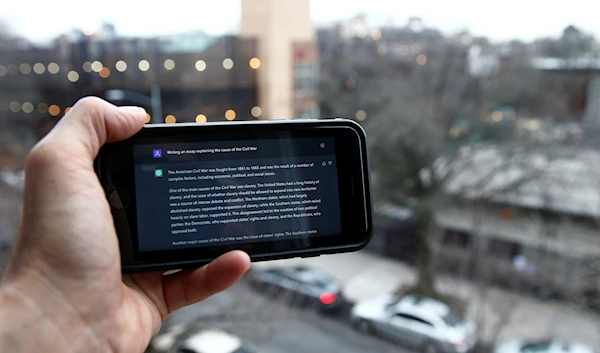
x=547 y=346
x=423 y=323
x=181 y=340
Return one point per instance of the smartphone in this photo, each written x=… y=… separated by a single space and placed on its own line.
x=183 y=194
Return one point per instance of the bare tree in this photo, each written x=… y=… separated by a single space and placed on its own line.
x=411 y=102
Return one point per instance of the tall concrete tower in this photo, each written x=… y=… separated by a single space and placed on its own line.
x=286 y=46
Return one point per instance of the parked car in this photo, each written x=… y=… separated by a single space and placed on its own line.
x=545 y=346
x=302 y=286
x=420 y=322
x=181 y=340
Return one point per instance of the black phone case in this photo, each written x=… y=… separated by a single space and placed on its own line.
x=271 y=124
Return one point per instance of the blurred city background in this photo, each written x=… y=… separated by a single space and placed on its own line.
x=484 y=128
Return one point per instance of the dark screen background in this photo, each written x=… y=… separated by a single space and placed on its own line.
x=154 y=207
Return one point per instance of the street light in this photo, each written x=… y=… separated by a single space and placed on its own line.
x=154 y=100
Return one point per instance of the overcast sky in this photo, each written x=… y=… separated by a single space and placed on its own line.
x=41 y=20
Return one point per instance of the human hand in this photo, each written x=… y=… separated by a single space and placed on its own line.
x=63 y=290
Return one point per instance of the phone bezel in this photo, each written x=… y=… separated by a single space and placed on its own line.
x=353 y=180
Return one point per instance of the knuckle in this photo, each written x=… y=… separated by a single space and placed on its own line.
x=39 y=157
x=89 y=102
x=43 y=156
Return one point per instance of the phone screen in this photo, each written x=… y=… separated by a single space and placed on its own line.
x=197 y=194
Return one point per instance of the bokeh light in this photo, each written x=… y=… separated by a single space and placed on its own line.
x=421 y=59
x=403 y=50
x=3 y=70
x=25 y=68
x=415 y=48
x=27 y=107
x=42 y=108
x=170 y=119
x=255 y=63
x=376 y=34
x=256 y=112
x=230 y=115
x=53 y=68
x=201 y=118
x=361 y=115
x=144 y=65
x=97 y=66
x=148 y=118
x=54 y=110
x=200 y=65
x=121 y=66
x=104 y=73
x=87 y=66
x=67 y=109
x=39 y=68
x=228 y=64
x=14 y=107
x=169 y=64
x=73 y=76
x=497 y=116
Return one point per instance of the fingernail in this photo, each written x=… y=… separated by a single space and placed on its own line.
x=133 y=110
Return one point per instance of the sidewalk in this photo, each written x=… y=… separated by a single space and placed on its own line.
x=365 y=275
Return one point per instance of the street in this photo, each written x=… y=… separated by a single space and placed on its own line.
x=270 y=326
x=365 y=275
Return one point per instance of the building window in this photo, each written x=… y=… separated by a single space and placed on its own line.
x=307 y=80
x=456 y=238
x=504 y=248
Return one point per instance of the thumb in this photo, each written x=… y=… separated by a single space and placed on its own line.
x=65 y=212
x=92 y=122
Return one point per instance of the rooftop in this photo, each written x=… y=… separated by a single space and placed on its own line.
x=559 y=179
